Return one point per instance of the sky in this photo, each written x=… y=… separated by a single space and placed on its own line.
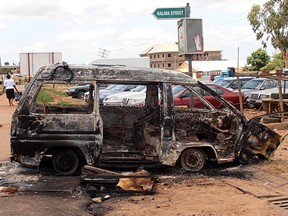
x=81 y=30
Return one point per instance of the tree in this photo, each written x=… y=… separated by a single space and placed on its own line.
x=257 y=60
x=6 y=63
x=270 y=23
x=276 y=63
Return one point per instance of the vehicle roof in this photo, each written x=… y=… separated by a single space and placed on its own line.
x=71 y=72
x=234 y=78
x=262 y=78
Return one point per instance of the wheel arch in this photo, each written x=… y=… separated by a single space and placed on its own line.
x=208 y=150
x=77 y=150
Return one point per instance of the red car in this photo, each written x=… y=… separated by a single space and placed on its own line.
x=183 y=98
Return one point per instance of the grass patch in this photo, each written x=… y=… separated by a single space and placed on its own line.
x=44 y=97
x=57 y=92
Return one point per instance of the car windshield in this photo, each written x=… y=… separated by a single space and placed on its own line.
x=176 y=89
x=252 y=84
x=139 y=88
x=119 y=87
x=110 y=87
x=225 y=83
x=217 y=81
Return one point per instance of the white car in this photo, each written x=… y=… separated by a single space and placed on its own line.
x=134 y=100
x=139 y=99
x=255 y=98
x=116 y=99
x=257 y=84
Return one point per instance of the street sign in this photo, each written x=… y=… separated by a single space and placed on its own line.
x=169 y=13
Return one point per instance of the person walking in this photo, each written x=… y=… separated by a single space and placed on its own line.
x=9 y=85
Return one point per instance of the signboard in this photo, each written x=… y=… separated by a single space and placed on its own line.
x=169 y=13
x=190 y=36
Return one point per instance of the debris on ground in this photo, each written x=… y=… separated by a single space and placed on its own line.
x=131 y=181
x=7 y=191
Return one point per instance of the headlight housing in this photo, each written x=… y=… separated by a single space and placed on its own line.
x=262 y=96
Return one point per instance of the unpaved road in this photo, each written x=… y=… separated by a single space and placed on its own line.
x=218 y=190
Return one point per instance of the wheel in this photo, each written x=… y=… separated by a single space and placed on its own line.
x=193 y=160
x=65 y=162
x=80 y=94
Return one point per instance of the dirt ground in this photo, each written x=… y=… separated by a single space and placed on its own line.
x=230 y=189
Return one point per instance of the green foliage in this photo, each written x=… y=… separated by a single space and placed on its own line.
x=57 y=92
x=44 y=97
x=276 y=63
x=270 y=24
x=257 y=60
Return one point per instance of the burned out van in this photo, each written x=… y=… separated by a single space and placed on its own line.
x=74 y=132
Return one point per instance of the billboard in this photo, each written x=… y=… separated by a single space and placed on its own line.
x=190 y=36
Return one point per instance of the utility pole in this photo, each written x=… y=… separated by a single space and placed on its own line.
x=103 y=53
x=189 y=58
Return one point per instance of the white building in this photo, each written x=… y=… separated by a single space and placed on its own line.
x=32 y=61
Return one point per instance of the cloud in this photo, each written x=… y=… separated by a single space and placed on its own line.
x=79 y=28
x=3 y=26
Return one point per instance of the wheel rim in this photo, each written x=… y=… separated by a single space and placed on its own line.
x=193 y=160
x=80 y=94
x=65 y=162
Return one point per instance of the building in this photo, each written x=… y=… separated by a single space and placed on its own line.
x=10 y=69
x=166 y=56
x=31 y=62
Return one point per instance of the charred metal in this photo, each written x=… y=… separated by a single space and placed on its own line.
x=75 y=132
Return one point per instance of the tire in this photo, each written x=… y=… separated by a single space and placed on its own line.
x=80 y=94
x=65 y=162
x=193 y=160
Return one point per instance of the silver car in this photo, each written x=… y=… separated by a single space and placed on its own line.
x=255 y=98
x=258 y=84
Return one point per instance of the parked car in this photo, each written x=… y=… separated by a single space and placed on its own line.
x=138 y=100
x=78 y=90
x=183 y=98
x=217 y=81
x=102 y=89
x=255 y=98
x=258 y=84
x=117 y=98
x=232 y=83
x=116 y=89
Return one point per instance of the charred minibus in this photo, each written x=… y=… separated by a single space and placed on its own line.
x=74 y=132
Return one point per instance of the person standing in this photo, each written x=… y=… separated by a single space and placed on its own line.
x=9 y=85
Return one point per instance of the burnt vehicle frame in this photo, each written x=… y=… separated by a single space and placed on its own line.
x=156 y=134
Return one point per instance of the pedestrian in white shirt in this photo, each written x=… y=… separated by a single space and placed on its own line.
x=9 y=85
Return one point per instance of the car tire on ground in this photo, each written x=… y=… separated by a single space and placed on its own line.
x=193 y=160
x=65 y=162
